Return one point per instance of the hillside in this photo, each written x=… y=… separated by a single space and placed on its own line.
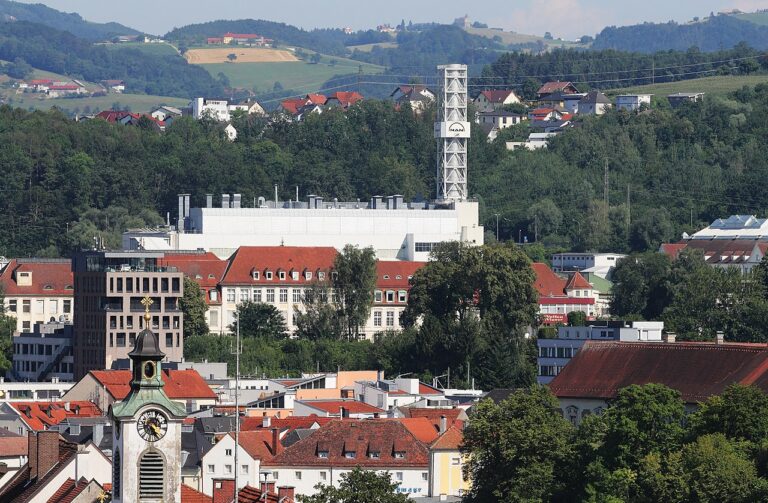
x=61 y=52
x=713 y=34
x=759 y=17
x=719 y=85
x=73 y=23
x=520 y=40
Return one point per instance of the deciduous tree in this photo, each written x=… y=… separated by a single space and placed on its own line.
x=194 y=307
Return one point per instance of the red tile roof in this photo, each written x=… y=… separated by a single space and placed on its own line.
x=434 y=415
x=40 y=416
x=189 y=495
x=334 y=406
x=672 y=250
x=179 y=384
x=397 y=272
x=346 y=98
x=426 y=389
x=250 y=494
x=20 y=488
x=49 y=277
x=547 y=283
x=258 y=443
x=553 y=87
x=40 y=82
x=716 y=251
x=285 y=423
x=242 y=35
x=315 y=99
x=292 y=105
x=383 y=436
x=577 y=281
x=13 y=446
x=68 y=491
x=421 y=428
x=451 y=440
x=204 y=269
x=112 y=116
x=697 y=370
x=274 y=258
x=497 y=96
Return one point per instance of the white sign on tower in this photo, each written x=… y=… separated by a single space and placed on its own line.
x=452 y=133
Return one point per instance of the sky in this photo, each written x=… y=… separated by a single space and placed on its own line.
x=568 y=19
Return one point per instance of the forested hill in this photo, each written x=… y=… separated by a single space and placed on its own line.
x=71 y=22
x=608 y=69
x=61 y=52
x=326 y=41
x=713 y=34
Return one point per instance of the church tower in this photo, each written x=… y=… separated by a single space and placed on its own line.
x=146 y=430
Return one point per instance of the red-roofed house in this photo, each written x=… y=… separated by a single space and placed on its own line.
x=417 y=96
x=13 y=455
x=256 y=447
x=37 y=290
x=340 y=446
x=40 y=416
x=223 y=492
x=336 y=408
x=205 y=269
x=285 y=424
x=65 y=89
x=251 y=39
x=277 y=275
x=391 y=294
x=741 y=254
x=556 y=87
x=344 y=99
x=454 y=416
x=558 y=296
x=104 y=387
x=190 y=495
x=697 y=370
x=446 y=463
x=495 y=99
x=547 y=114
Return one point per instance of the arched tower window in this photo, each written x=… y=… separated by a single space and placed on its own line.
x=116 y=472
x=151 y=475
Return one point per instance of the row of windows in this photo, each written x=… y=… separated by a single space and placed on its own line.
x=39 y=305
x=227 y=468
x=389 y=295
x=550 y=370
x=297 y=295
x=35 y=349
x=390 y=318
x=424 y=247
x=144 y=285
x=119 y=340
x=34 y=366
x=324 y=475
x=557 y=352
x=295 y=275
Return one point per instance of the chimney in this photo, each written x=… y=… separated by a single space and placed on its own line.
x=32 y=454
x=45 y=450
x=398 y=202
x=266 y=421
x=67 y=406
x=443 y=424
x=669 y=337
x=186 y=205
x=209 y=200
x=225 y=200
x=180 y=223
x=267 y=487
x=719 y=337
x=275 y=440
x=318 y=202
x=236 y=198
x=390 y=203
x=98 y=433
x=311 y=201
x=223 y=490
x=286 y=494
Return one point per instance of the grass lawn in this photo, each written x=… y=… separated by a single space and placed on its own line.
x=369 y=47
x=136 y=102
x=154 y=49
x=710 y=85
x=509 y=38
x=299 y=75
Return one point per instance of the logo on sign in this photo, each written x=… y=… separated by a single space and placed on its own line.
x=456 y=127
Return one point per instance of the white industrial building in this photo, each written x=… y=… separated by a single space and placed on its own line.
x=599 y=264
x=632 y=102
x=395 y=229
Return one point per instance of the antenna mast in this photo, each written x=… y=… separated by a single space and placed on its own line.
x=237 y=406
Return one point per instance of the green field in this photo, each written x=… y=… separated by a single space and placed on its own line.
x=298 y=75
x=760 y=18
x=135 y=102
x=369 y=47
x=710 y=85
x=512 y=38
x=154 y=49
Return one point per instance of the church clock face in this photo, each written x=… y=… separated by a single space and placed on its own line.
x=152 y=425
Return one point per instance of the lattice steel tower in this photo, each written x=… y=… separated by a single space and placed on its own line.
x=452 y=133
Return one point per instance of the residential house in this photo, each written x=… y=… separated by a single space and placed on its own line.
x=554 y=354
x=446 y=462
x=566 y=102
x=698 y=370
x=548 y=114
x=741 y=254
x=633 y=102
x=254 y=448
x=105 y=387
x=394 y=393
x=495 y=100
x=417 y=96
x=58 y=471
x=214 y=40
x=57 y=90
x=214 y=108
x=207 y=270
x=493 y=121
x=113 y=116
x=556 y=87
x=390 y=297
x=344 y=99
x=337 y=408
x=116 y=86
x=559 y=296
x=296 y=107
x=535 y=141
x=678 y=99
x=13 y=455
x=382 y=445
x=440 y=418
x=230 y=132
x=40 y=85
x=165 y=113
x=223 y=491
x=249 y=106
x=249 y=39
x=594 y=103
x=37 y=290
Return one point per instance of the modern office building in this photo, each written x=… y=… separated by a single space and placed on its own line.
x=110 y=292
x=44 y=354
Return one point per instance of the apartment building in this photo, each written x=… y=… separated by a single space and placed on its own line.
x=110 y=290
x=391 y=295
x=37 y=290
x=45 y=354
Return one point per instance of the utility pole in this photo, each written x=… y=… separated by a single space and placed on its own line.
x=629 y=211
x=237 y=405
x=606 y=199
x=359 y=76
x=653 y=70
x=536 y=227
x=497 y=226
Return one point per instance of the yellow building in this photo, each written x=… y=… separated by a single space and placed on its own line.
x=445 y=465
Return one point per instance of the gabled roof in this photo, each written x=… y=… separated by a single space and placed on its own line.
x=250 y=494
x=274 y=258
x=334 y=406
x=421 y=428
x=69 y=490
x=451 y=440
x=594 y=98
x=497 y=96
x=179 y=384
x=22 y=489
x=258 y=443
x=284 y=423
x=292 y=105
x=697 y=370
x=716 y=251
x=555 y=86
x=40 y=416
x=49 y=277
x=453 y=416
x=113 y=116
x=577 y=281
x=396 y=273
x=189 y=495
x=547 y=283
x=205 y=269
x=316 y=99
x=346 y=98
x=13 y=446
x=382 y=436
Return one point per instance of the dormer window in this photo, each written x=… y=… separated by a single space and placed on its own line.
x=386 y=276
x=399 y=454
x=295 y=275
x=322 y=454
x=350 y=454
x=281 y=275
x=398 y=277
x=374 y=455
x=268 y=275
x=48 y=287
x=321 y=275
x=308 y=275
x=255 y=274
x=334 y=275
